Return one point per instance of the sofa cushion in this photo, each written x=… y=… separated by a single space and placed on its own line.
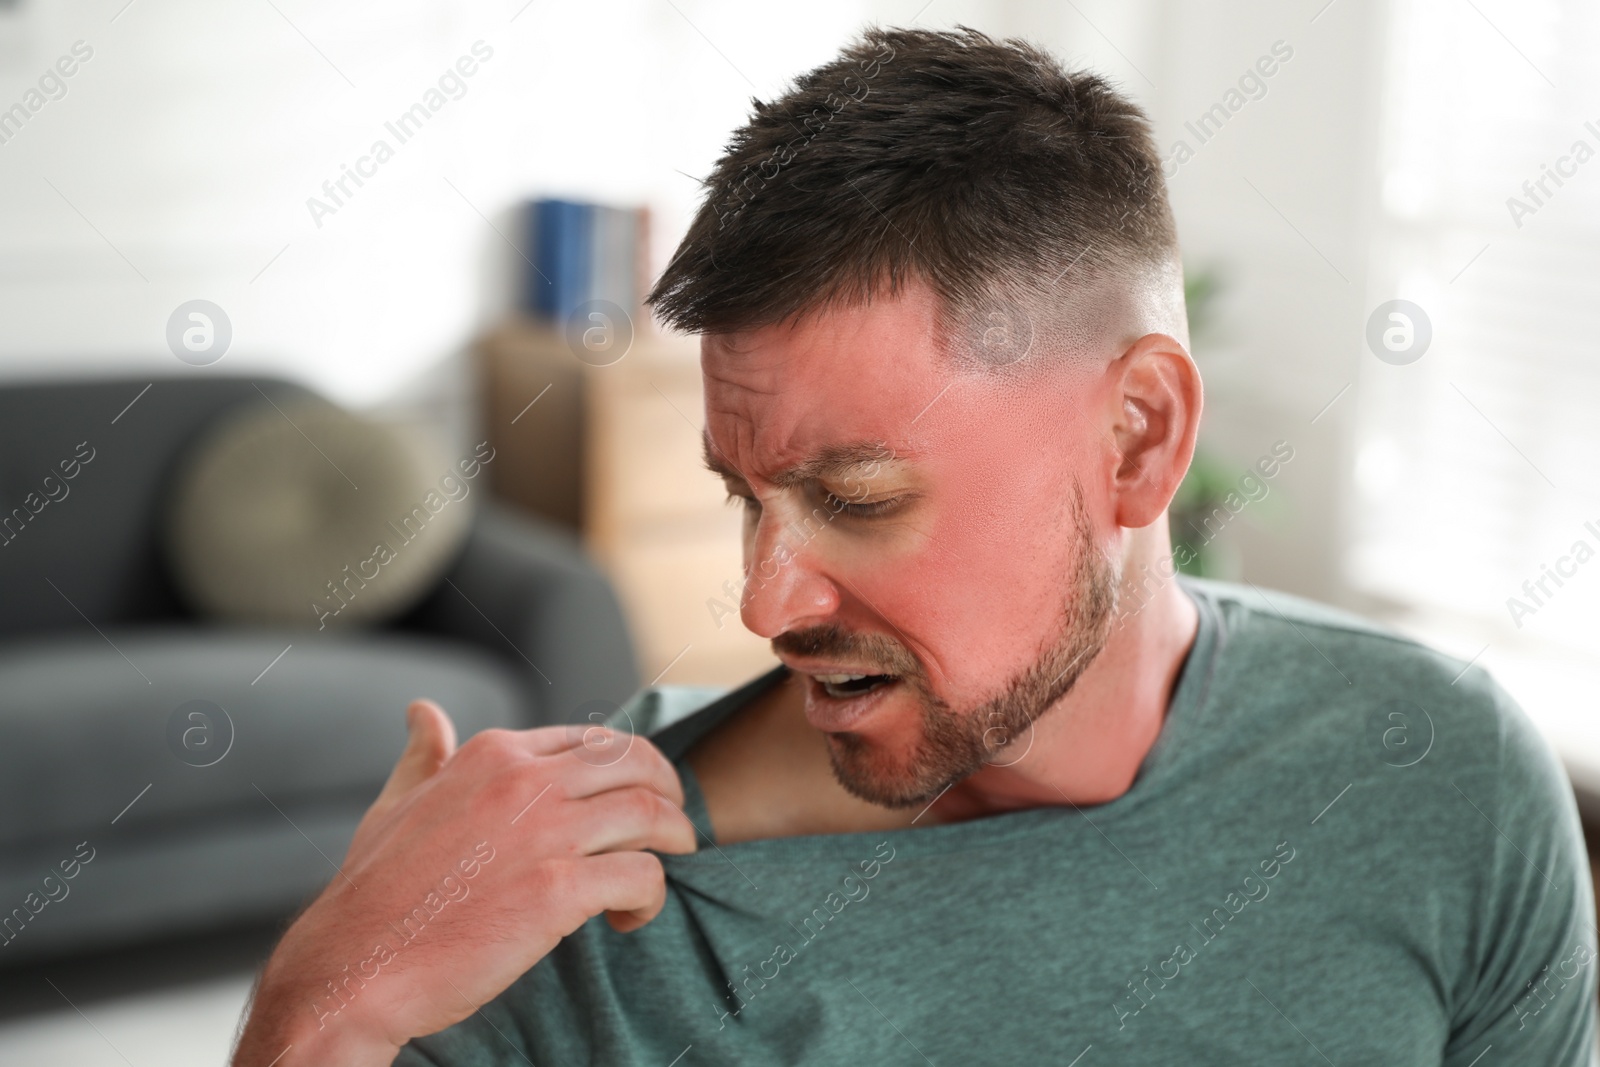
x=87 y=723
x=304 y=514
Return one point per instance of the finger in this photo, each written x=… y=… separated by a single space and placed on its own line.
x=631 y=887
x=431 y=742
x=622 y=820
x=546 y=740
x=619 y=760
x=626 y=922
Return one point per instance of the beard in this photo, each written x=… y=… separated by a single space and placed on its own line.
x=955 y=743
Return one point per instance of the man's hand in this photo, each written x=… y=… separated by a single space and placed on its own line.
x=391 y=950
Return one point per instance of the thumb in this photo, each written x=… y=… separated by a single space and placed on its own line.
x=431 y=742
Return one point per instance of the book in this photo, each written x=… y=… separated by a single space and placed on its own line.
x=562 y=244
x=611 y=267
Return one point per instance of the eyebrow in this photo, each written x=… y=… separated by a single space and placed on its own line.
x=832 y=460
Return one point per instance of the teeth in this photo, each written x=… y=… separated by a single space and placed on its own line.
x=838 y=679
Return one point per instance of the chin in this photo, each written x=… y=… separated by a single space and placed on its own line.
x=881 y=772
x=909 y=752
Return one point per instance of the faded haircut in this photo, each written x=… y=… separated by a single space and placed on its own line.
x=980 y=167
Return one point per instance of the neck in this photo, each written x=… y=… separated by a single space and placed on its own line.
x=1087 y=748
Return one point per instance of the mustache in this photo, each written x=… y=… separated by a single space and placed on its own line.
x=831 y=641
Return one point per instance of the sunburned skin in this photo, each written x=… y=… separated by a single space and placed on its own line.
x=949 y=559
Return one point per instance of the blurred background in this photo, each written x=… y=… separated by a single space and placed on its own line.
x=380 y=266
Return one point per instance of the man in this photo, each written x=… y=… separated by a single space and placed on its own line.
x=1018 y=793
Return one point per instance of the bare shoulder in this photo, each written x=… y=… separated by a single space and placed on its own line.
x=765 y=772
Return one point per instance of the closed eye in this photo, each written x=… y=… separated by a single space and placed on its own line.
x=840 y=506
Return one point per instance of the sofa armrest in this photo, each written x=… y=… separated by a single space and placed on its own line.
x=525 y=591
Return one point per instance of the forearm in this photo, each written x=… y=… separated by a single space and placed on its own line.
x=283 y=1031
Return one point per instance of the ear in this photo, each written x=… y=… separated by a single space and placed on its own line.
x=1155 y=387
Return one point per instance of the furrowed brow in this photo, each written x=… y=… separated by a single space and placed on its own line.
x=834 y=461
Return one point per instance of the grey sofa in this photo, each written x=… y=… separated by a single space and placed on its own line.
x=97 y=653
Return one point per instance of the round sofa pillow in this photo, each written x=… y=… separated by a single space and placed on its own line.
x=306 y=514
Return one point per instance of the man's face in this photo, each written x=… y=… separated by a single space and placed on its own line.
x=921 y=543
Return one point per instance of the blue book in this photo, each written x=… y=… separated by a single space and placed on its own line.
x=562 y=252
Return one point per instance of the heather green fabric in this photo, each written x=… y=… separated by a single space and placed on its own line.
x=1342 y=849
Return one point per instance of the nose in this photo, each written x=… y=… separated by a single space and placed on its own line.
x=786 y=586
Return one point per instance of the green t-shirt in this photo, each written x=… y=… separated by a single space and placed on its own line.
x=1344 y=848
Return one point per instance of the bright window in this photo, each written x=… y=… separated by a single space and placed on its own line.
x=1477 y=466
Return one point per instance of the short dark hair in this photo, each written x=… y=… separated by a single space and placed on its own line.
x=981 y=167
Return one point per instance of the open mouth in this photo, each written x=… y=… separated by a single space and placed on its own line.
x=846 y=686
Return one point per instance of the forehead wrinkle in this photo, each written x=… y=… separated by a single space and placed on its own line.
x=729 y=384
